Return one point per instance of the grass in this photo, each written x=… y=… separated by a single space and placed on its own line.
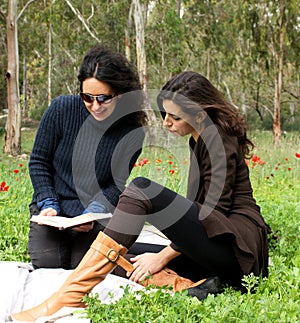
x=276 y=183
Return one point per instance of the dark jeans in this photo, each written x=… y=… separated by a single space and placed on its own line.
x=53 y=248
x=178 y=218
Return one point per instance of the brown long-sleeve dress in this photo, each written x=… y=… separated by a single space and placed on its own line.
x=219 y=183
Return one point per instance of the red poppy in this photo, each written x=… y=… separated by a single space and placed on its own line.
x=21 y=165
x=255 y=159
x=289 y=169
x=172 y=171
x=143 y=162
x=170 y=162
x=286 y=159
x=16 y=171
x=3 y=187
x=297 y=155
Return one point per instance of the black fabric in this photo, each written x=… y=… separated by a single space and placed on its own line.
x=202 y=257
x=52 y=248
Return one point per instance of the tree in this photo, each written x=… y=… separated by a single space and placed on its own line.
x=140 y=14
x=13 y=125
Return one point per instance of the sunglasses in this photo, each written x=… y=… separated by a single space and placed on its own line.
x=102 y=98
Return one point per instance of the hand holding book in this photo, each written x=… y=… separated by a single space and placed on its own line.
x=62 y=222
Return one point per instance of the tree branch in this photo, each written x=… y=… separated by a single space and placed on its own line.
x=79 y=16
x=24 y=8
x=270 y=111
x=92 y=14
x=292 y=94
x=2 y=15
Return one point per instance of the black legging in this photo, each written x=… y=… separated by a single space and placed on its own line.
x=178 y=218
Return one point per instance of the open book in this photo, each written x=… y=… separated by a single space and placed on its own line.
x=62 y=222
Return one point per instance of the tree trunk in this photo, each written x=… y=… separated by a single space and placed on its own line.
x=128 y=34
x=140 y=42
x=139 y=21
x=279 y=77
x=24 y=108
x=13 y=125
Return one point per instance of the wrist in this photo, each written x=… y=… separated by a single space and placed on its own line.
x=168 y=254
x=49 y=203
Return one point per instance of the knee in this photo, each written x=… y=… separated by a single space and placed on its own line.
x=48 y=259
x=140 y=182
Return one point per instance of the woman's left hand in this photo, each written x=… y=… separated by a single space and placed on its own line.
x=146 y=265
x=87 y=227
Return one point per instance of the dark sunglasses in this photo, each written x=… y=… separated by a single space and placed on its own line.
x=102 y=98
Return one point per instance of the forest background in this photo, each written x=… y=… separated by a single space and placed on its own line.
x=248 y=49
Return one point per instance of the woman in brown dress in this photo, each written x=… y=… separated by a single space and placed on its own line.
x=217 y=230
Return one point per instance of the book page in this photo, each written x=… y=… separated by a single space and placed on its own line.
x=64 y=222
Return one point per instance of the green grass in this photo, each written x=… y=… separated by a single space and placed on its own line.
x=276 y=185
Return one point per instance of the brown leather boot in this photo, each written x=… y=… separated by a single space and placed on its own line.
x=168 y=277
x=103 y=256
x=200 y=289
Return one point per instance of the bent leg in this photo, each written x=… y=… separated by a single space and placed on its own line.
x=81 y=242
x=48 y=247
x=178 y=218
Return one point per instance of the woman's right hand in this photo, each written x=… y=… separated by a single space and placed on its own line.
x=145 y=265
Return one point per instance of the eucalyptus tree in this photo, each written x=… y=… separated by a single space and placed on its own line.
x=165 y=41
x=273 y=30
x=13 y=124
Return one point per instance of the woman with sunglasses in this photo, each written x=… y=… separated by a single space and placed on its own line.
x=84 y=150
x=216 y=231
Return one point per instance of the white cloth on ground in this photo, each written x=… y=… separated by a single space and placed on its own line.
x=22 y=288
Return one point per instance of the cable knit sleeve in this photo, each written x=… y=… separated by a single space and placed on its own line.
x=41 y=160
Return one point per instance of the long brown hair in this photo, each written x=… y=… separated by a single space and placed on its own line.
x=204 y=96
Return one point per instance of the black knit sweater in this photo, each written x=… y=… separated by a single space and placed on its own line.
x=77 y=159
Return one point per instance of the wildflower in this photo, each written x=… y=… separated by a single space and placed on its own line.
x=21 y=165
x=171 y=171
x=297 y=155
x=255 y=159
x=289 y=168
x=3 y=187
x=16 y=171
x=276 y=168
x=143 y=162
x=286 y=159
x=158 y=160
x=170 y=162
x=261 y=162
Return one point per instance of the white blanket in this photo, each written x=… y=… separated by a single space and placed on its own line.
x=21 y=288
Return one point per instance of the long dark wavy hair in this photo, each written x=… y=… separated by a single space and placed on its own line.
x=203 y=96
x=113 y=68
